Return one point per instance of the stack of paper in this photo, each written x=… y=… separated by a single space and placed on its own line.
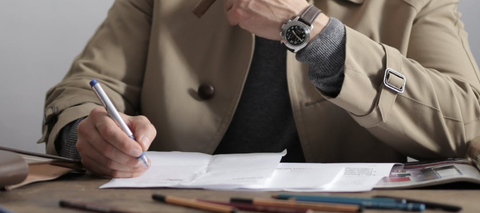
x=256 y=171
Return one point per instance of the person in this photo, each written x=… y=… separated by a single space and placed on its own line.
x=376 y=82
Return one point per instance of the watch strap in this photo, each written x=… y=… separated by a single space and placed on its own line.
x=310 y=14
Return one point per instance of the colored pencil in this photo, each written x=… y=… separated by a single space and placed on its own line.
x=297 y=204
x=259 y=208
x=369 y=203
x=192 y=203
x=428 y=205
x=92 y=207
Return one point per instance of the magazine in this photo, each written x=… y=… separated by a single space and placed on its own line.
x=473 y=151
x=421 y=174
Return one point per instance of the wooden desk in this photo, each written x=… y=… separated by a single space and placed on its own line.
x=44 y=197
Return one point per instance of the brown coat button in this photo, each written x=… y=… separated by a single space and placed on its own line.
x=206 y=91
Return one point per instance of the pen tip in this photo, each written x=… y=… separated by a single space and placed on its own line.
x=144 y=159
x=274 y=196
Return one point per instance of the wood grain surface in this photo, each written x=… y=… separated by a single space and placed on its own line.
x=45 y=196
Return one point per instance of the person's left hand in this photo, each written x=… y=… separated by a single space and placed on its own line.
x=263 y=18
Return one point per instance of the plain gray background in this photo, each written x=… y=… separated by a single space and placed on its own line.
x=40 y=38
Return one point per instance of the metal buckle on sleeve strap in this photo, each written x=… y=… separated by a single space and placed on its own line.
x=394 y=80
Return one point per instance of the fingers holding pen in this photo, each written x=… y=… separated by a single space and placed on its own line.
x=142 y=128
x=97 y=163
x=115 y=143
x=102 y=144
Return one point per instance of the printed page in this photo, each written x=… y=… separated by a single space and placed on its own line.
x=357 y=177
x=299 y=177
x=327 y=177
x=257 y=171
x=168 y=169
x=233 y=171
x=198 y=170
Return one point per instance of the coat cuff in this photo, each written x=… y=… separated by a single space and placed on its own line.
x=364 y=93
x=62 y=119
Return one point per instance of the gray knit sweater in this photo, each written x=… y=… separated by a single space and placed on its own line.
x=263 y=121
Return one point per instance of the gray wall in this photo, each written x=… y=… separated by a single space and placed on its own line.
x=38 y=41
x=40 y=38
x=471 y=18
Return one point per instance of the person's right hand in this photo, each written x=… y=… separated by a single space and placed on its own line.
x=107 y=150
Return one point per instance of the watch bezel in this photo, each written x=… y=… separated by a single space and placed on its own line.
x=296 y=22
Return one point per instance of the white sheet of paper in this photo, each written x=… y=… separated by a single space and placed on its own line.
x=299 y=177
x=198 y=170
x=237 y=170
x=357 y=177
x=255 y=171
x=331 y=177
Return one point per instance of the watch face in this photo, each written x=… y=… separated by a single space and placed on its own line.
x=295 y=35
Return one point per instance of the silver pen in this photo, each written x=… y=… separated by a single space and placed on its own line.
x=113 y=113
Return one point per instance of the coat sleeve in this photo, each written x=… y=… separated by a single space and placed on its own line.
x=116 y=56
x=438 y=112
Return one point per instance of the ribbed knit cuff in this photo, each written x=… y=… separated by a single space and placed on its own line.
x=66 y=143
x=326 y=56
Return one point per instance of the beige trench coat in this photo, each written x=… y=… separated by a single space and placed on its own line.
x=152 y=55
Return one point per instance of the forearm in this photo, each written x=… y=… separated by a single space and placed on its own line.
x=438 y=112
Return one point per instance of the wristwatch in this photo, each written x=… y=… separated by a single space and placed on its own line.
x=296 y=32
